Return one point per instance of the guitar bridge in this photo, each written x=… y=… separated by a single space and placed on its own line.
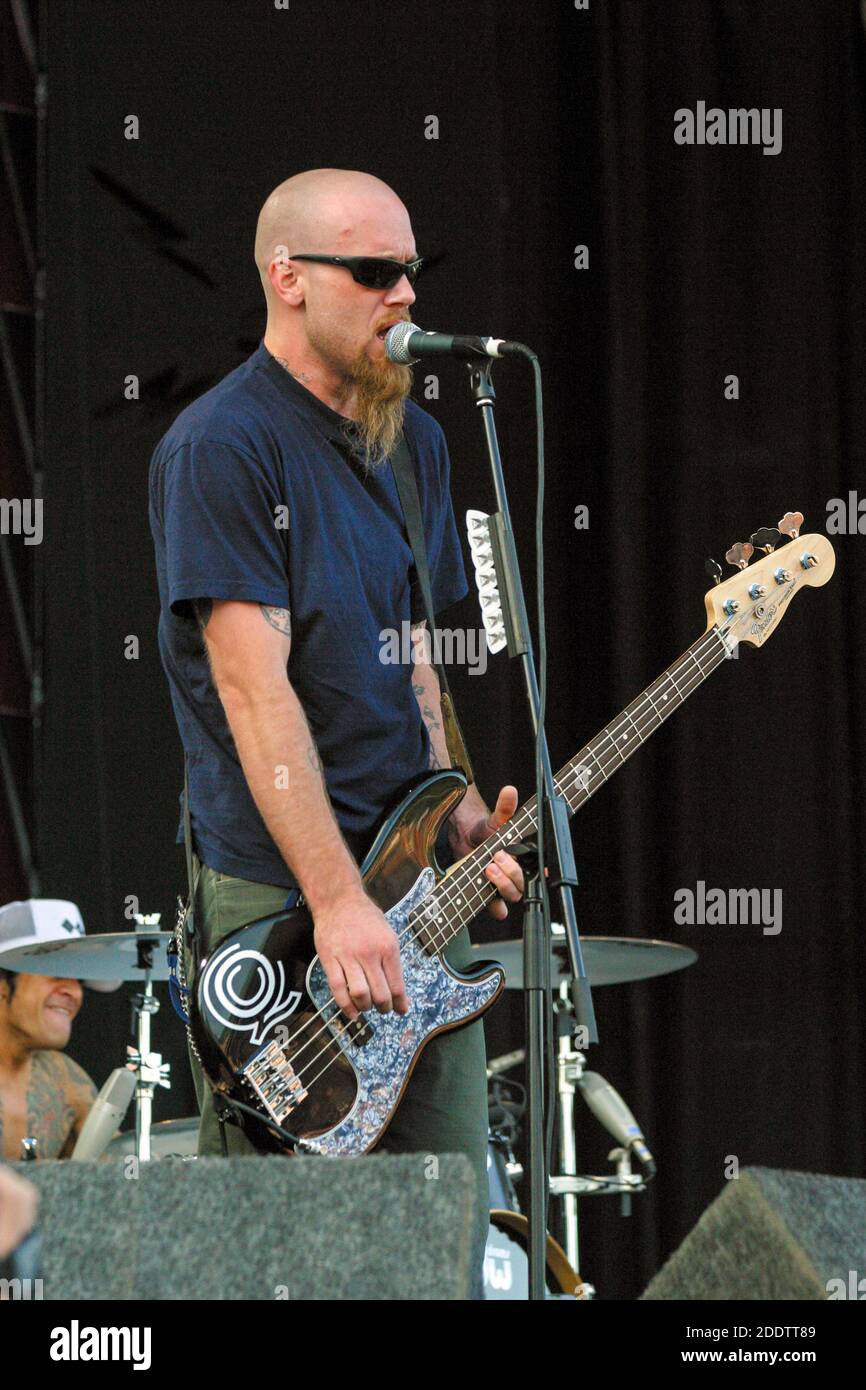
x=275 y=1082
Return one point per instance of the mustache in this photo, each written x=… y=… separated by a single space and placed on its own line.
x=389 y=323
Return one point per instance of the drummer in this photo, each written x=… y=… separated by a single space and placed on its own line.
x=43 y=1094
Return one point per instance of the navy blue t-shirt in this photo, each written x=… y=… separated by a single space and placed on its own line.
x=255 y=494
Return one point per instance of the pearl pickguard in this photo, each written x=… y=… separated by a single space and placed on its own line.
x=437 y=1000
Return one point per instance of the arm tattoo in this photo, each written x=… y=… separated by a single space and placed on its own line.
x=431 y=722
x=279 y=618
x=427 y=712
x=314 y=760
x=58 y=1096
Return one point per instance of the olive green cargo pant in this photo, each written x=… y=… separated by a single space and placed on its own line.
x=444 y=1108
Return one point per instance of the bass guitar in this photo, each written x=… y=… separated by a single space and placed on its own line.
x=269 y=1033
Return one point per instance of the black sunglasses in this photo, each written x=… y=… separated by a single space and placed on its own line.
x=373 y=272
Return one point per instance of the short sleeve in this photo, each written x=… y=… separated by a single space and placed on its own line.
x=444 y=556
x=225 y=526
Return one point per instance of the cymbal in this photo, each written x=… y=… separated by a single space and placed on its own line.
x=106 y=956
x=609 y=960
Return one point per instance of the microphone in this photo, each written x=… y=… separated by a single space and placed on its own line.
x=106 y=1114
x=406 y=343
x=609 y=1107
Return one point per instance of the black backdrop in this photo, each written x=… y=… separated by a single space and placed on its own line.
x=555 y=129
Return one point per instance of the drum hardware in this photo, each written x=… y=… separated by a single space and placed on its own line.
x=169 y=1139
x=609 y=960
x=501 y=1175
x=569 y=1064
x=506 y=1102
x=622 y=1185
x=149 y=1067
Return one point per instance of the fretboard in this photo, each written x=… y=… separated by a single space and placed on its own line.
x=459 y=897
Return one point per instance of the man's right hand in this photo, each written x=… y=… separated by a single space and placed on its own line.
x=360 y=955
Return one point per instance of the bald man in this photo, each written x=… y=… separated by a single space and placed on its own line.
x=282 y=558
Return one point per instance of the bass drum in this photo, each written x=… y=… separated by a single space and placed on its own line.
x=506 y=1263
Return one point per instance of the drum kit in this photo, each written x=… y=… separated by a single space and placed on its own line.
x=141 y=957
x=609 y=960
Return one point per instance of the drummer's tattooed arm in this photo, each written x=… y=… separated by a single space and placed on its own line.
x=59 y=1098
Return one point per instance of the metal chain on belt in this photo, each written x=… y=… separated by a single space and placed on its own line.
x=179 y=942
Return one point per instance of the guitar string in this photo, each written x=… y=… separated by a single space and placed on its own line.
x=577 y=773
x=572 y=777
x=704 y=646
x=490 y=887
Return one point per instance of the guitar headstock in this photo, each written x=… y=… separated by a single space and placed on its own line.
x=749 y=606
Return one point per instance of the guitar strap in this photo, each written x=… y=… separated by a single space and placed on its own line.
x=403 y=468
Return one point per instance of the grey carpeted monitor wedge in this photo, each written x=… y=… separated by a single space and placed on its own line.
x=381 y=1227
x=772 y=1234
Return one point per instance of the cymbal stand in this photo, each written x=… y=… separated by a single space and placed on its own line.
x=149 y=1067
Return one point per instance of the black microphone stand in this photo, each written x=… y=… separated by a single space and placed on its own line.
x=552 y=819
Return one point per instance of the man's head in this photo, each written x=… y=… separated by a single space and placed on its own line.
x=37 y=1010
x=321 y=321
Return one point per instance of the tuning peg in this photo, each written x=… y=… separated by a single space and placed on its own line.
x=766 y=539
x=791 y=524
x=713 y=571
x=740 y=554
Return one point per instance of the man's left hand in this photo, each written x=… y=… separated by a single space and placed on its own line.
x=470 y=825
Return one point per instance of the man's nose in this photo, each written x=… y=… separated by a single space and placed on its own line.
x=73 y=987
x=401 y=293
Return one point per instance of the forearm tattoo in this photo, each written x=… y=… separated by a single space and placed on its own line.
x=428 y=714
